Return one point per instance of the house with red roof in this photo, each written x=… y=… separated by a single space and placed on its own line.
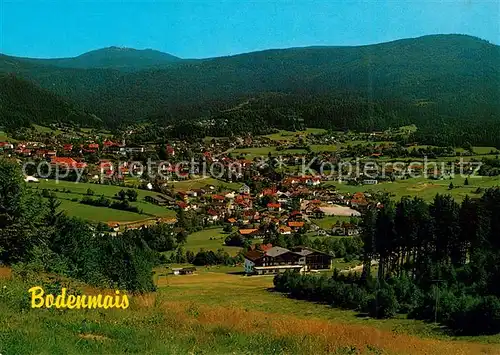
x=105 y=165
x=68 y=163
x=213 y=215
x=111 y=146
x=268 y=192
x=183 y=195
x=285 y=230
x=296 y=215
x=45 y=153
x=249 y=232
x=91 y=148
x=295 y=225
x=274 y=206
x=261 y=247
x=170 y=150
x=6 y=146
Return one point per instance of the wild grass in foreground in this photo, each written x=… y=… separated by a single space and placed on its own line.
x=189 y=315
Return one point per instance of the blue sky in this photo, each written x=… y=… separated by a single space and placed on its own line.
x=198 y=29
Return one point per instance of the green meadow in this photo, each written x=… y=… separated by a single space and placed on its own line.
x=73 y=193
x=424 y=188
x=44 y=129
x=214 y=311
x=204 y=182
x=291 y=135
x=212 y=239
x=209 y=239
x=328 y=221
x=101 y=214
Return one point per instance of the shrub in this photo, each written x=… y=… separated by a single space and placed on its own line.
x=132 y=195
x=384 y=303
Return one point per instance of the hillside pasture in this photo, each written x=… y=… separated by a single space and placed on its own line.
x=215 y=311
x=212 y=239
x=424 y=188
x=284 y=135
x=209 y=239
x=44 y=129
x=480 y=150
x=101 y=214
x=203 y=182
x=327 y=222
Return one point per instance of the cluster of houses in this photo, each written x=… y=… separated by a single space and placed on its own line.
x=112 y=158
x=285 y=210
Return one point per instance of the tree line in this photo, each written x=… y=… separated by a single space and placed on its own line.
x=436 y=261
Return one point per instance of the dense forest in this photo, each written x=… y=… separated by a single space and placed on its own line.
x=437 y=261
x=448 y=85
x=36 y=237
x=23 y=104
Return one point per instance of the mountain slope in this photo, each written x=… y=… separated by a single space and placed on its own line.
x=22 y=104
x=453 y=76
x=119 y=58
x=444 y=69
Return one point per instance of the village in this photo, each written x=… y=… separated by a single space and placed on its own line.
x=257 y=188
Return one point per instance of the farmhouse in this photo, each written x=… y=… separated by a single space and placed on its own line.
x=6 y=145
x=252 y=232
x=273 y=261
x=278 y=259
x=274 y=207
x=344 y=229
x=285 y=230
x=315 y=260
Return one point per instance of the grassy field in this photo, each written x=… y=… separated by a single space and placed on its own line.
x=479 y=150
x=319 y=148
x=43 y=129
x=3 y=136
x=258 y=152
x=214 y=312
x=292 y=135
x=204 y=182
x=328 y=221
x=424 y=188
x=101 y=214
x=209 y=239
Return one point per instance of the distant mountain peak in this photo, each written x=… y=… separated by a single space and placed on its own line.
x=117 y=51
x=114 y=57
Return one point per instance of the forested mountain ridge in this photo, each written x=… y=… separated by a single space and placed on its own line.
x=439 y=82
x=22 y=104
